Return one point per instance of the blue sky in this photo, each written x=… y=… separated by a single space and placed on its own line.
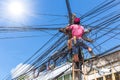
x=14 y=51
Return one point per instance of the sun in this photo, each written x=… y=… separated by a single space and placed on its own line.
x=16 y=8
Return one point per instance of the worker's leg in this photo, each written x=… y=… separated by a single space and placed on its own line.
x=69 y=44
x=75 y=50
x=88 y=48
x=75 y=54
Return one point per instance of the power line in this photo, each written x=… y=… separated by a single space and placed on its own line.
x=22 y=37
x=106 y=23
x=34 y=54
x=44 y=14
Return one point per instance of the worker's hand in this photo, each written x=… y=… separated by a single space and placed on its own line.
x=90 y=40
x=61 y=30
x=90 y=29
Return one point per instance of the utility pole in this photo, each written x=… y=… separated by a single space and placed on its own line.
x=76 y=73
x=69 y=11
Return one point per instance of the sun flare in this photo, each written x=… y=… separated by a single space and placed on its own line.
x=16 y=8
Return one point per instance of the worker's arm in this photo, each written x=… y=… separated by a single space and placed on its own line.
x=64 y=30
x=84 y=37
x=87 y=30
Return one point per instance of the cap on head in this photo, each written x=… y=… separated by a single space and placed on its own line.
x=76 y=20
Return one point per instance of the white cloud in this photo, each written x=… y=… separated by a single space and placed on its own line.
x=20 y=69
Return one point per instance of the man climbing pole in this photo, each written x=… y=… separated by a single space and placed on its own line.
x=77 y=38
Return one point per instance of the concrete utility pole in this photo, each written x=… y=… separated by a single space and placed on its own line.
x=76 y=73
x=69 y=11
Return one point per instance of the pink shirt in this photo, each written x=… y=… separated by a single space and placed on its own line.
x=77 y=30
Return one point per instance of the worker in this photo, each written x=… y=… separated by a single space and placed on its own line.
x=76 y=40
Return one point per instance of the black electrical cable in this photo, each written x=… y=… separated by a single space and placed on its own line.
x=104 y=10
x=38 y=59
x=28 y=60
x=102 y=5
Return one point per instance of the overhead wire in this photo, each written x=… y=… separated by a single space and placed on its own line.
x=108 y=39
x=106 y=22
x=29 y=59
x=111 y=36
x=39 y=58
x=105 y=26
x=96 y=31
x=104 y=10
x=18 y=37
x=103 y=18
x=47 y=25
x=106 y=32
x=44 y=14
x=102 y=35
x=94 y=10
